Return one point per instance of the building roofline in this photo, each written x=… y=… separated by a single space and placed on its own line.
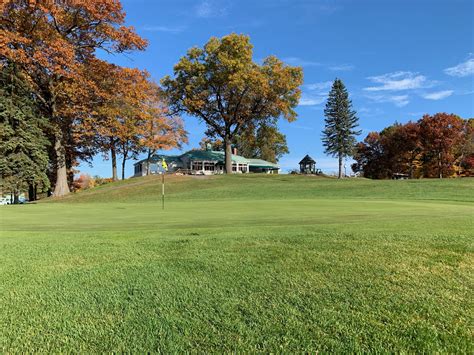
x=219 y=157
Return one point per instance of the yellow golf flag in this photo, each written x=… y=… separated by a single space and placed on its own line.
x=164 y=165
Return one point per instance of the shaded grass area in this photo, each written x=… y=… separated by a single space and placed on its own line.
x=239 y=273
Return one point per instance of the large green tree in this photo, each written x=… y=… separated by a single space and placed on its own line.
x=340 y=124
x=263 y=141
x=222 y=86
x=23 y=146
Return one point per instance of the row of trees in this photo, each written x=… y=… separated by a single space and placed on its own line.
x=60 y=104
x=440 y=145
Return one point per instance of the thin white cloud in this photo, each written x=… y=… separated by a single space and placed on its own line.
x=167 y=29
x=462 y=69
x=300 y=62
x=324 y=85
x=308 y=100
x=315 y=94
x=342 y=67
x=417 y=114
x=401 y=80
x=370 y=112
x=438 y=95
x=306 y=128
x=209 y=9
x=397 y=100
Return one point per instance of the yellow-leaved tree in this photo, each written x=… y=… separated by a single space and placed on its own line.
x=221 y=85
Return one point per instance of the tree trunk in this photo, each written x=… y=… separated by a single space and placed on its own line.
x=148 y=162
x=339 y=176
x=61 y=187
x=16 y=198
x=123 y=166
x=440 y=166
x=113 y=157
x=228 y=155
x=31 y=192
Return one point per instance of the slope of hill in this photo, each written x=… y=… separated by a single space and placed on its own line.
x=179 y=188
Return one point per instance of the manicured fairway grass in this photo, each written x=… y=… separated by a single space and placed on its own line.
x=242 y=263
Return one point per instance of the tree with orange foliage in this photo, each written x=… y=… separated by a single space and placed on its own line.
x=435 y=146
x=129 y=115
x=51 y=42
x=465 y=150
x=160 y=129
x=440 y=134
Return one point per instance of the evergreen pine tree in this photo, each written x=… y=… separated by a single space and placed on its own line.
x=340 y=124
x=23 y=145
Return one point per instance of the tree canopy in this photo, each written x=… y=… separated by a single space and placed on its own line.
x=221 y=85
x=51 y=42
x=435 y=146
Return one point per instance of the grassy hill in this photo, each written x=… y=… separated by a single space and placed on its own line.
x=241 y=263
x=180 y=188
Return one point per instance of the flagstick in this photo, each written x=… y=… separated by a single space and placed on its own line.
x=163 y=190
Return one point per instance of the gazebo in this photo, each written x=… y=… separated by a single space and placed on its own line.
x=307 y=165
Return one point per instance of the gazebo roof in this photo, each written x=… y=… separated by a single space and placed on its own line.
x=307 y=160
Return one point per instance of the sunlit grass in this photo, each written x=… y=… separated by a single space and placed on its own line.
x=274 y=264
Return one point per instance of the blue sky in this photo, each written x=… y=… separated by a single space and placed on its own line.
x=399 y=59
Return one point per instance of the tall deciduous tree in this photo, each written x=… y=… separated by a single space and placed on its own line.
x=340 y=124
x=50 y=41
x=129 y=116
x=23 y=145
x=221 y=85
x=370 y=157
x=396 y=149
x=465 y=150
x=440 y=134
x=160 y=129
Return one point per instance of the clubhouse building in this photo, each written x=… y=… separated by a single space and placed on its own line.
x=204 y=162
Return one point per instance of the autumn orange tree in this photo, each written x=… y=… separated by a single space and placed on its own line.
x=160 y=130
x=430 y=147
x=129 y=115
x=440 y=134
x=222 y=86
x=51 y=42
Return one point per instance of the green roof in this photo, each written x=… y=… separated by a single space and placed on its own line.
x=260 y=163
x=211 y=155
x=158 y=157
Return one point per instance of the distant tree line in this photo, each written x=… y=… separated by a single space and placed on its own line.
x=437 y=146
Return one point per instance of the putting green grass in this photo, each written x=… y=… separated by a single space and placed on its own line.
x=242 y=263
